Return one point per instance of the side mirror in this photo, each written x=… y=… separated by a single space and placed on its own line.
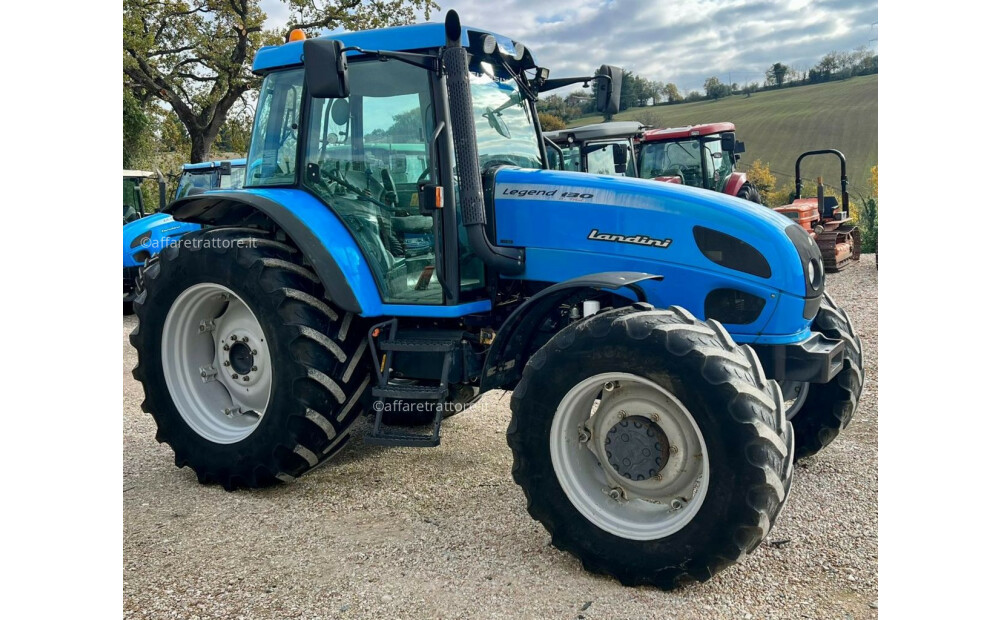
x=326 y=68
x=620 y=152
x=608 y=91
x=226 y=168
x=729 y=141
x=741 y=147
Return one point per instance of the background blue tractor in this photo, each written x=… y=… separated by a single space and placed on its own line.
x=644 y=327
x=144 y=235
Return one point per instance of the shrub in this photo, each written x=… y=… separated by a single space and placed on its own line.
x=761 y=176
x=868 y=216
x=550 y=122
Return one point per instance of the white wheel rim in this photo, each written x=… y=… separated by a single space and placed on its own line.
x=216 y=363
x=646 y=509
x=794 y=393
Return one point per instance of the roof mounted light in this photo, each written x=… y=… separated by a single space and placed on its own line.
x=518 y=51
x=489 y=43
x=296 y=35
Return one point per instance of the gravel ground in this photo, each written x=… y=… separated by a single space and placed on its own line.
x=443 y=533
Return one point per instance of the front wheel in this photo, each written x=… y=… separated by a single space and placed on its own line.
x=820 y=411
x=650 y=445
x=749 y=191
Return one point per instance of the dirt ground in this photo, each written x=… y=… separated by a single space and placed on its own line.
x=443 y=533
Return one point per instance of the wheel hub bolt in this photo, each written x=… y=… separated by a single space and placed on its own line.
x=655 y=417
x=233 y=338
x=254 y=352
x=677 y=503
x=245 y=339
x=610 y=385
x=235 y=376
x=253 y=369
x=225 y=363
x=584 y=435
x=246 y=378
x=622 y=415
x=616 y=494
x=225 y=347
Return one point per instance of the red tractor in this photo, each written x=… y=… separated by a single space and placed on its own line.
x=697 y=155
x=827 y=222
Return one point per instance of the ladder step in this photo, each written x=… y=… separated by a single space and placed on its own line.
x=403 y=440
x=410 y=392
x=430 y=346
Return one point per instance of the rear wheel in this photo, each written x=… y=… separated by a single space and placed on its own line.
x=650 y=445
x=750 y=192
x=250 y=375
x=819 y=411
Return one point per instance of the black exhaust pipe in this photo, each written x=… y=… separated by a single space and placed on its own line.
x=506 y=260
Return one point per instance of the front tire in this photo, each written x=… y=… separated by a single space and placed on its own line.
x=823 y=410
x=705 y=467
x=251 y=376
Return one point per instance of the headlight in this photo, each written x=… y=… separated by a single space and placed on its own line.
x=814 y=273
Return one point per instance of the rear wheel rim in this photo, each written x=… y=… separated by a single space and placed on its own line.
x=216 y=363
x=656 y=494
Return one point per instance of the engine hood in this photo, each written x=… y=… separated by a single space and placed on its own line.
x=148 y=235
x=573 y=224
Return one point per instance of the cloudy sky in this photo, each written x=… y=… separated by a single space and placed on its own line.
x=680 y=41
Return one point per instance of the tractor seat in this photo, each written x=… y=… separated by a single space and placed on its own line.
x=828 y=207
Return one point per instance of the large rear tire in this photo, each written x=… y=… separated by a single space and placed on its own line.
x=650 y=445
x=749 y=191
x=823 y=410
x=251 y=376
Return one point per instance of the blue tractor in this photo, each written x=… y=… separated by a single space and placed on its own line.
x=646 y=329
x=144 y=235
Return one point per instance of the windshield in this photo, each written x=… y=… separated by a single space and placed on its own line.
x=195 y=179
x=672 y=159
x=505 y=132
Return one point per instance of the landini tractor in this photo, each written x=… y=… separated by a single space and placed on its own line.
x=145 y=235
x=697 y=155
x=644 y=328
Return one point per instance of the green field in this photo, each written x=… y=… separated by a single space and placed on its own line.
x=778 y=125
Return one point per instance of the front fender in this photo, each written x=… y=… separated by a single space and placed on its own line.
x=734 y=183
x=511 y=348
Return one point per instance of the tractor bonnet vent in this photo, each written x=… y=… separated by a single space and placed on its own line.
x=730 y=252
x=728 y=305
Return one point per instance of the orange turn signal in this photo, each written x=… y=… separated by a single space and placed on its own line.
x=297 y=35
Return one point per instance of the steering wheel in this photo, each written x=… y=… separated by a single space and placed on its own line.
x=389 y=195
x=496 y=162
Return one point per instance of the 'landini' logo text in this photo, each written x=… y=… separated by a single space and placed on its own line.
x=597 y=235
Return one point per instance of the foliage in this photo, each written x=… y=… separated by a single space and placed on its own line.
x=550 y=122
x=868 y=216
x=714 y=88
x=195 y=55
x=136 y=141
x=776 y=74
x=671 y=93
x=761 y=176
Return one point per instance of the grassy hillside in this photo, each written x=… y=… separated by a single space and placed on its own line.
x=778 y=125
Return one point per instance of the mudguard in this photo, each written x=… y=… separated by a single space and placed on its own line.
x=734 y=182
x=510 y=349
x=324 y=241
x=147 y=236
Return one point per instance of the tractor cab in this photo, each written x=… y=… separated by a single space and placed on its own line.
x=209 y=175
x=601 y=148
x=134 y=206
x=697 y=155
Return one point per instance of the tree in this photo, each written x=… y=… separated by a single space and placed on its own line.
x=715 y=89
x=776 y=74
x=195 y=55
x=135 y=129
x=550 y=122
x=671 y=93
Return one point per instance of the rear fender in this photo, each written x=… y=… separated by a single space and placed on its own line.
x=512 y=346
x=734 y=183
x=317 y=232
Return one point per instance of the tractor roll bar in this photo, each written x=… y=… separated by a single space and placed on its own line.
x=843 y=175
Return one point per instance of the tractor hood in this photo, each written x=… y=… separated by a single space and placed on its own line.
x=148 y=235
x=573 y=224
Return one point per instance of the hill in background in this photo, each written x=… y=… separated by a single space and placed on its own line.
x=778 y=125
